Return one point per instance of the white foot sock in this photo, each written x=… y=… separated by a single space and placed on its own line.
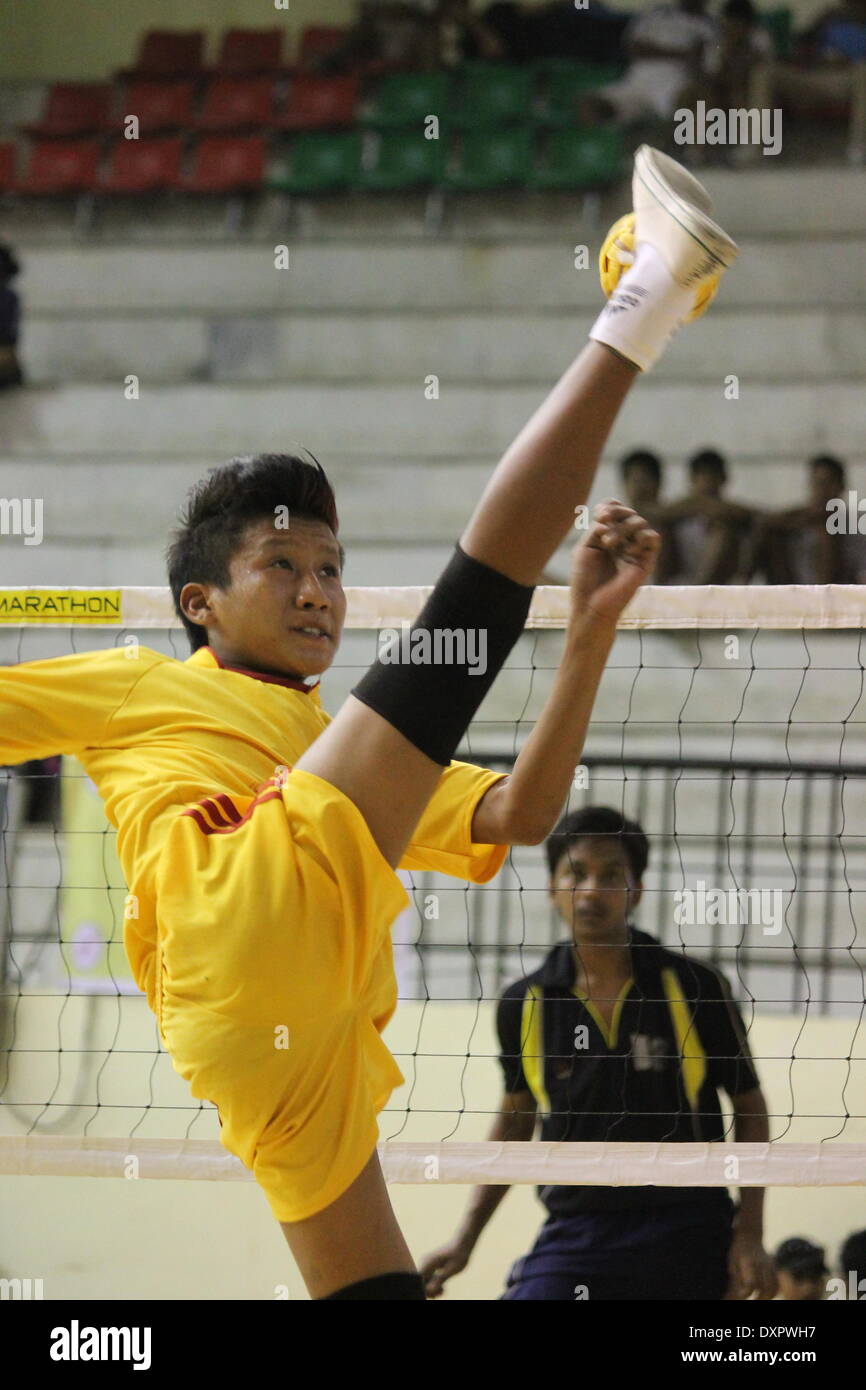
x=644 y=311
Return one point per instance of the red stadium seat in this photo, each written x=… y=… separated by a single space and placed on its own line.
x=58 y=166
x=318 y=41
x=249 y=52
x=72 y=109
x=7 y=166
x=143 y=166
x=169 y=53
x=319 y=103
x=159 y=106
x=237 y=103
x=226 y=164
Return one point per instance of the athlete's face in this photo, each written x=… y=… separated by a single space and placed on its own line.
x=593 y=890
x=283 y=612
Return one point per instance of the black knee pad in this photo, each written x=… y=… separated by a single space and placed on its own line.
x=405 y=1287
x=430 y=679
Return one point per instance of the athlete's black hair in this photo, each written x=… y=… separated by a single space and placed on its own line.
x=222 y=505
x=600 y=822
x=642 y=458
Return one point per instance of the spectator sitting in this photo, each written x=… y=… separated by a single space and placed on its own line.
x=10 y=313
x=514 y=33
x=801 y=1270
x=711 y=537
x=670 y=50
x=389 y=35
x=852 y=1265
x=502 y=33
x=641 y=473
x=743 y=43
x=596 y=1044
x=799 y=546
x=830 y=70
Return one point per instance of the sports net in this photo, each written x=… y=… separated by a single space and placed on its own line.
x=730 y=724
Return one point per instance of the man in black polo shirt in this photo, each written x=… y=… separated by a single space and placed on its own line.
x=616 y=1038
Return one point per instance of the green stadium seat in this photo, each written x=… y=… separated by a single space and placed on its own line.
x=492 y=159
x=561 y=84
x=320 y=163
x=780 y=24
x=407 y=98
x=580 y=159
x=492 y=94
x=402 y=159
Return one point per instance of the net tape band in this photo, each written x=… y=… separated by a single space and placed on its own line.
x=561 y=1164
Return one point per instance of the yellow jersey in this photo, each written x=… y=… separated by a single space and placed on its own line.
x=156 y=735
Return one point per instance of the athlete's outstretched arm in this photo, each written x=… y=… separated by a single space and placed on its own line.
x=616 y=557
x=525 y=512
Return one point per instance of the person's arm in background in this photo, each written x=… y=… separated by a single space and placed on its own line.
x=752 y=549
x=732 y=1069
x=751 y=1268
x=516 y=1122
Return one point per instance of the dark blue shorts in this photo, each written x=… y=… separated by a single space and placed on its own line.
x=669 y=1253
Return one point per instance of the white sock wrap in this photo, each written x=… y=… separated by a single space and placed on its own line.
x=644 y=311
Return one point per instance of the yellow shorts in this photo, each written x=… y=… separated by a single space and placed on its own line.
x=274 y=978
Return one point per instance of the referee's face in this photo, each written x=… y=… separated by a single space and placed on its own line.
x=284 y=610
x=593 y=889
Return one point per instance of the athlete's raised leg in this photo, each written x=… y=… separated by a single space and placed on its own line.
x=401 y=725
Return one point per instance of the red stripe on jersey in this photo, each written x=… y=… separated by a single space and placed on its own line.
x=228 y=806
x=216 y=815
x=199 y=820
x=225 y=828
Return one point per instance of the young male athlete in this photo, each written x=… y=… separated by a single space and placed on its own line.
x=260 y=840
x=616 y=1038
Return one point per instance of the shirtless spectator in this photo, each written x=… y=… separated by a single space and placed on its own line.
x=807 y=544
x=828 y=71
x=711 y=537
x=744 y=43
x=641 y=473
